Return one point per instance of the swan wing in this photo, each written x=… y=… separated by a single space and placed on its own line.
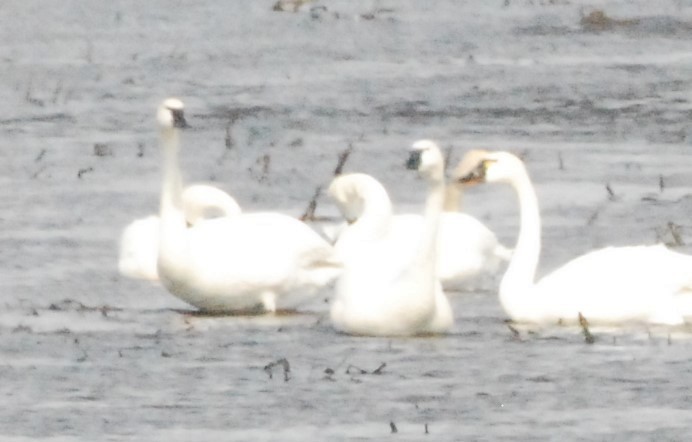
x=618 y=284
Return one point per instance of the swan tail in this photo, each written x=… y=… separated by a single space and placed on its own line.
x=683 y=303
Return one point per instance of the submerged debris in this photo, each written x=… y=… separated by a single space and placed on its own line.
x=289 y=5
x=102 y=150
x=597 y=21
x=670 y=235
x=516 y=336
x=283 y=362
x=588 y=337
x=611 y=193
x=86 y=170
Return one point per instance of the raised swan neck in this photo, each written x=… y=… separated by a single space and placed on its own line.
x=521 y=272
x=173 y=224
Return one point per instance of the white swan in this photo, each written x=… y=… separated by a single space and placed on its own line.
x=139 y=241
x=465 y=247
x=379 y=293
x=248 y=262
x=613 y=285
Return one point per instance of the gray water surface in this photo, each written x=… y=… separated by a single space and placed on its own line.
x=89 y=355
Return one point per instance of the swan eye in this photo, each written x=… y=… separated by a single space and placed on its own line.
x=178 y=118
x=414 y=160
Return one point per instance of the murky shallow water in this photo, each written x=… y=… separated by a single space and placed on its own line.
x=118 y=360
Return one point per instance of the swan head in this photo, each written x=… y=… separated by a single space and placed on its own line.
x=479 y=166
x=427 y=159
x=349 y=192
x=170 y=114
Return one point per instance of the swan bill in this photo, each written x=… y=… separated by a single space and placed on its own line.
x=475 y=176
x=179 y=119
x=414 y=160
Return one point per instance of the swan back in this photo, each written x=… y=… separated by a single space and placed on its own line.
x=615 y=285
x=201 y=201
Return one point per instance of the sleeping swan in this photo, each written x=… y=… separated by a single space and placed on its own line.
x=242 y=263
x=139 y=242
x=379 y=293
x=465 y=247
x=613 y=285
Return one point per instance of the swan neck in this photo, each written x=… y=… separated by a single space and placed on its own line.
x=173 y=224
x=453 y=195
x=376 y=218
x=434 y=204
x=171 y=191
x=521 y=271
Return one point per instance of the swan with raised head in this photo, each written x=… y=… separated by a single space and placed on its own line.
x=613 y=285
x=245 y=263
x=466 y=248
x=139 y=241
x=379 y=293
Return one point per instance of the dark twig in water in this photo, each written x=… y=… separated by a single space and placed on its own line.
x=392 y=427
x=611 y=194
x=81 y=172
x=57 y=91
x=675 y=232
x=592 y=219
x=516 y=336
x=379 y=369
x=309 y=214
x=84 y=357
x=264 y=162
x=588 y=337
x=228 y=140
x=661 y=184
x=448 y=156
x=426 y=429
x=40 y=155
x=343 y=157
x=358 y=370
x=284 y=365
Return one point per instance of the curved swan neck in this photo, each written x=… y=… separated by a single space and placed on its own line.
x=376 y=217
x=522 y=268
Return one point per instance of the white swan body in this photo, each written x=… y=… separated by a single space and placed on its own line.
x=382 y=292
x=614 y=285
x=139 y=241
x=465 y=247
x=254 y=262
